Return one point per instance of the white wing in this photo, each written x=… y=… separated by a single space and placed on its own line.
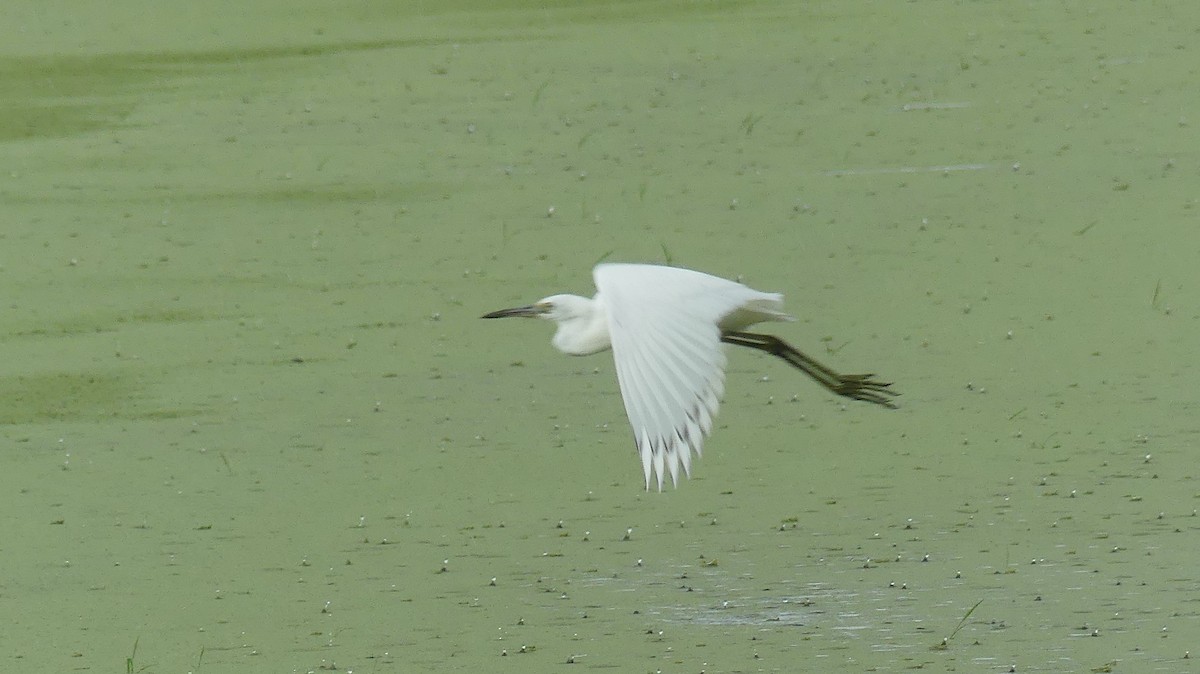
x=665 y=324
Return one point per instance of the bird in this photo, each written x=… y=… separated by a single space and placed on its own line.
x=666 y=326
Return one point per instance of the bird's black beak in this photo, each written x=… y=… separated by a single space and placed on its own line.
x=531 y=310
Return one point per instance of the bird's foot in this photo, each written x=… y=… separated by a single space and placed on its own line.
x=863 y=387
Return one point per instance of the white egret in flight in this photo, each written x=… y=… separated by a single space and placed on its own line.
x=665 y=326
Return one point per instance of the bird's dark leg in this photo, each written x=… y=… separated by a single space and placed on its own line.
x=856 y=386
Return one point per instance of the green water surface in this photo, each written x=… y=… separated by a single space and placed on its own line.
x=251 y=422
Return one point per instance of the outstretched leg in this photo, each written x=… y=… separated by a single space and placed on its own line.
x=856 y=386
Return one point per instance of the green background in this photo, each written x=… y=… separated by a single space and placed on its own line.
x=251 y=421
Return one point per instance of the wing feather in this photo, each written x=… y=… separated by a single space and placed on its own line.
x=665 y=325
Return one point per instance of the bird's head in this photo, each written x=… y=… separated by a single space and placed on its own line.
x=582 y=322
x=557 y=308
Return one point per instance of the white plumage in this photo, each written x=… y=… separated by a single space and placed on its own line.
x=665 y=326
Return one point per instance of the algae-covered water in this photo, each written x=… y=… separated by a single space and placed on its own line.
x=251 y=421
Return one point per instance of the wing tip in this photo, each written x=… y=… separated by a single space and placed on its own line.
x=666 y=456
